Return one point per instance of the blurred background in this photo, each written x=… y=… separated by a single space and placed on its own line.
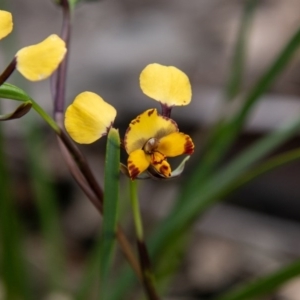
x=257 y=229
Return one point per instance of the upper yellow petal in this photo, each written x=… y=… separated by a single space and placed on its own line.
x=147 y=125
x=175 y=144
x=37 y=62
x=6 y=23
x=138 y=161
x=168 y=85
x=88 y=118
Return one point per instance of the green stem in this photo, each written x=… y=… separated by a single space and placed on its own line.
x=147 y=274
x=136 y=210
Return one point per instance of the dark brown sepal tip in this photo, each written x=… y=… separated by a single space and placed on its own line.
x=21 y=110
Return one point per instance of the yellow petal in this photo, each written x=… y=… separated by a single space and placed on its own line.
x=37 y=62
x=6 y=23
x=163 y=168
x=168 y=85
x=138 y=161
x=145 y=126
x=175 y=144
x=88 y=118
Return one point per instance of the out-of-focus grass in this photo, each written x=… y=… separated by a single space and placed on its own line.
x=46 y=201
x=264 y=285
x=12 y=262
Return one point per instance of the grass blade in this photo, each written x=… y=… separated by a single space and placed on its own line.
x=263 y=285
x=110 y=209
x=238 y=62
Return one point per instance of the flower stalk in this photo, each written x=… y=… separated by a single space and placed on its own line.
x=58 y=81
x=147 y=274
x=8 y=71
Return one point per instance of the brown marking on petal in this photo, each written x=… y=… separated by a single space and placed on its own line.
x=163 y=132
x=133 y=170
x=150 y=112
x=157 y=159
x=165 y=170
x=188 y=146
x=125 y=139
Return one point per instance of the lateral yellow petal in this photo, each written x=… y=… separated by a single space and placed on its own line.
x=166 y=84
x=175 y=144
x=138 y=161
x=37 y=62
x=88 y=118
x=6 y=23
x=147 y=125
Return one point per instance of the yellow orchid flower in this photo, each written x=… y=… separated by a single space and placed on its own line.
x=6 y=23
x=150 y=139
x=88 y=118
x=166 y=84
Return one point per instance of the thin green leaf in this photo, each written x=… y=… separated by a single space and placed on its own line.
x=110 y=208
x=263 y=285
x=238 y=62
x=107 y=239
x=269 y=165
x=9 y=91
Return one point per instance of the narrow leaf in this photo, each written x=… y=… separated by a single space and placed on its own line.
x=110 y=208
x=239 y=54
x=263 y=285
x=9 y=91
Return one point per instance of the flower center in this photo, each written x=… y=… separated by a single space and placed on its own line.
x=151 y=145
